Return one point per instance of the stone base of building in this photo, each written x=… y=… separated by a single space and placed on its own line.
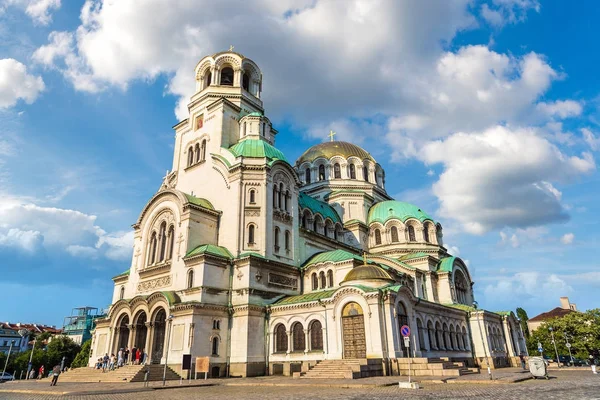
x=495 y=362
x=243 y=370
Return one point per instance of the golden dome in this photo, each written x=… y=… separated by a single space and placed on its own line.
x=367 y=272
x=335 y=148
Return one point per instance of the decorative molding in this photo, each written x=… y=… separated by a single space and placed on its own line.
x=282 y=216
x=156 y=269
x=283 y=280
x=252 y=213
x=153 y=284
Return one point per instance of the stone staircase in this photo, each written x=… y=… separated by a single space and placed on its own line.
x=442 y=366
x=127 y=373
x=344 y=369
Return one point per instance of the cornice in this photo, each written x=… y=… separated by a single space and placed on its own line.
x=154 y=270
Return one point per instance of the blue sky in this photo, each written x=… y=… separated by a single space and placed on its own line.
x=485 y=114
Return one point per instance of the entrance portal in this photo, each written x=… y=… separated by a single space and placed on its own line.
x=141 y=332
x=159 y=336
x=122 y=333
x=353 y=331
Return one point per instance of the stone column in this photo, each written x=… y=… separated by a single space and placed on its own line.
x=289 y=338
x=130 y=339
x=306 y=341
x=149 y=337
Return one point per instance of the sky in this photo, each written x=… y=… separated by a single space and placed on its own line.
x=486 y=114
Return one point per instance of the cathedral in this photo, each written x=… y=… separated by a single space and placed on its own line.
x=269 y=266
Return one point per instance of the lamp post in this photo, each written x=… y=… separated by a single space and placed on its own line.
x=170 y=319
x=23 y=333
x=7 y=357
x=555 y=349
x=569 y=347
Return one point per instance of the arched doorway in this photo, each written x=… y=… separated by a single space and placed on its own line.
x=402 y=320
x=141 y=331
x=122 y=332
x=159 y=335
x=353 y=331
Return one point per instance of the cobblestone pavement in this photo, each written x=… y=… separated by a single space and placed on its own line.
x=564 y=385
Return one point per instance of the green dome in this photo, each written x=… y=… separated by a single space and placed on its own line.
x=382 y=212
x=335 y=148
x=255 y=148
x=367 y=272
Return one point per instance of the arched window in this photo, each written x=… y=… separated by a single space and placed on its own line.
x=377 y=236
x=208 y=81
x=445 y=337
x=227 y=76
x=171 y=244
x=153 y=243
x=122 y=293
x=298 y=340
x=286 y=199
x=190 y=279
x=197 y=152
x=316 y=336
x=366 y=173
x=275 y=196
x=394 y=234
x=315 y=281
x=264 y=129
x=281 y=340
x=426 y=232
x=322 y=279
x=251 y=234
x=304 y=221
x=431 y=335
x=307 y=175
x=162 y=237
x=203 y=151
x=281 y=195
x=330 y=278
x=411 y=234
x=402 y=320
x=246 y=81
x=287 y=240
x=337 y=173
x=276 y=239
x=190 y=156
x=252 y=196
x=215 y=346
x=321 y=172
x=352 y=171
x=244 y=129
x=421 y=335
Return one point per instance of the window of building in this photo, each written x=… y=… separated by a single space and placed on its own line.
x=153 y=244
x=197 y=152
x=252 y=196
x=315 y=281
x=251 y=229
x=264 y=129
x=246 y=81
x=377 y=236
x=190 y=279
x=275 y=196
x=366 y=173
x=162 y=237
x=122 y=293
x=316 y=336
x=227 y=76
x=203 y=150
x=330 y=278
x=208 y=81
x=281 y=339
x=215 y=346
x=286 y=200
x=321 y=172
x=287 y=240
x=394 y=234
x=190 y=156
x=337 y=173
x=322 y=279
x=276 y=239
x=298 y=339
x=411 y=234
x=307 y=175
x=244 y=129
x=171 y=243
x=281 y=195
x=216 y=324
x=352 y=171
x=426 y=232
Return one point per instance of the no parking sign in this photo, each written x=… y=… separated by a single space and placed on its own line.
x=405 y=330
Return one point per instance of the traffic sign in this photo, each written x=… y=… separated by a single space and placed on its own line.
x=405 y=330
x=407 y=342
x=540 y=349
x=568 y=345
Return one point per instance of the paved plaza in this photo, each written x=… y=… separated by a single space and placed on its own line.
x=563 y=385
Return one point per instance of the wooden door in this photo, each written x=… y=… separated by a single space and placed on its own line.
x=353 y=330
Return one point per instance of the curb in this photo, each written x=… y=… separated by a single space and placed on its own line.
x=99 y=392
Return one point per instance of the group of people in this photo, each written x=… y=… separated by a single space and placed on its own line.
x=136 y=356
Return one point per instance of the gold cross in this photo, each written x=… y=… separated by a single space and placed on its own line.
x=230 y=47
x=331 y=135
x=365 y=258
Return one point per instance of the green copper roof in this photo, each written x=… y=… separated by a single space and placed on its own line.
x=304 y=298
x=124 y=273
x=331 y=256
x=385 y=210
x=209 y=249
x=503 y=313
x=171 y=297
x=251 y=253
x=463 y=307
x=199 y=201
x=446 y=264
x=318 y=206
x=254 y=148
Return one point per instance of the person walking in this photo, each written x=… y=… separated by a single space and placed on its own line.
x=32 y=373
x=113 y=361
x=55 y=374
x=105 y=362
x=137 y=357
x=522 y=358
x=41 y=372
x=120 y=358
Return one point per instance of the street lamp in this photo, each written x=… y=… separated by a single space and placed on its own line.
x=23 y=333
x=7 y=357
x=170 y=319
x=569 y=347
x=555 y=349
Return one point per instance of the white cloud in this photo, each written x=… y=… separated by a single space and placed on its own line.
x=31 y=227
x=560 y=108
x=39 y=10
x=567 y=238
x=502 y=12
x=502 y=178
x=16 y=84
x=591 y=139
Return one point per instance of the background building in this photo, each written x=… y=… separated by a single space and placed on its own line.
x=565 y=308
x=79 y=324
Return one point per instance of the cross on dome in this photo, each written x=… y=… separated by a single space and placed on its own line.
x=231 y=47
x=331 y=135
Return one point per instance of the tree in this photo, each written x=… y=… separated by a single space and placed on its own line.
x=83 y=357
x=59 y=347
x=523 y=317
x=582 y=330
